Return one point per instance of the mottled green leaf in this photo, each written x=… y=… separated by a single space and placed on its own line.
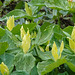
x=24 y=62
x=46 y=35
x=12 y=41
x=44 y=55
x=19 y=72
x=3 y=47
x=2 y=32
x=58 y=4
x=47 y=66
x=17 y=14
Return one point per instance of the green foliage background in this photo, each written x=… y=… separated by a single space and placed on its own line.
x=52 y=20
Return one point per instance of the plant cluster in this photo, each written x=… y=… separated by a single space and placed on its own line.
x=35 y=42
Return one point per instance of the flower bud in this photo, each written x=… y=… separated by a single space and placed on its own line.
x=55 y=51
x=10 y=23
x=26 y=42
x=4 y=69
x=22 y=32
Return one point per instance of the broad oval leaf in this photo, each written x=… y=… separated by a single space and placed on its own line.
x=17 y=14
x=58 y=4
x=24 y=62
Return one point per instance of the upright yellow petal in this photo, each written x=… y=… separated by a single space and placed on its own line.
x=41 y=49
x=73 y=34
x=22 y=32
x=26 y=42
x=47 y=47
x=4 y=69
x=61 y=47
x=0 y=67
x=33 y=35
x=10 y=23
x=72 y=45
x=54 y=52
x=28 y=33
x=27 y=22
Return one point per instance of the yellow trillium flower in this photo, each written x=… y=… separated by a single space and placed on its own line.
x=72 y=40
x=10 y=23
x=22 y=32
x=55 y=51
x=4 y=69
x=26 y=42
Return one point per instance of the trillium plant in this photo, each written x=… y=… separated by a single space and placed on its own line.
x=31 y=43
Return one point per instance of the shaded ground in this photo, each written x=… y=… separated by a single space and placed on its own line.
x=64 y=22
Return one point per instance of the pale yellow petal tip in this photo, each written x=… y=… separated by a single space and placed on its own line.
x=28 y=33
x=10 y=22
x=22 y=32
x=73 y=33
x=54 y=44
x=4 y=69
x=61 y=47
x=54 y=47
x=27 y=22
x=47 y=47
